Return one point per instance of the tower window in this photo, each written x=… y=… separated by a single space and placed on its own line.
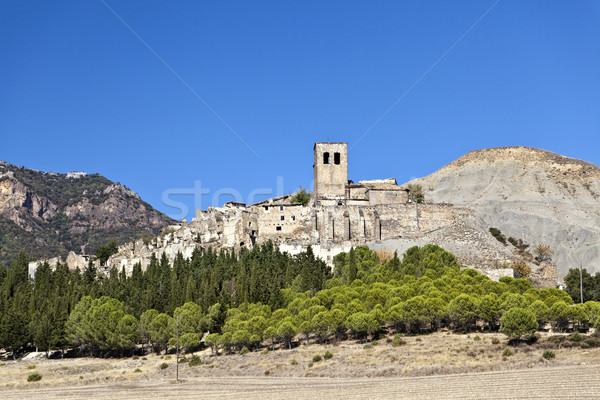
x=326 y=158
x=282 y=218
x=336 y=158
x=277 y=228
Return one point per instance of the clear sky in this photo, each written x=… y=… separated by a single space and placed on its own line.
x=80 y=91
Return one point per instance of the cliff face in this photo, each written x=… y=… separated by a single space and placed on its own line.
x=49 y=214
x=529 y=194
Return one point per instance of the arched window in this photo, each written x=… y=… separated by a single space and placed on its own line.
x=336 y=158
x=326 y=158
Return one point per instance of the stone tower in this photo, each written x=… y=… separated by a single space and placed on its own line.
x=331 y=172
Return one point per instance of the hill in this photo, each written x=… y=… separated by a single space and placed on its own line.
x=529 y=194
x=49 y=214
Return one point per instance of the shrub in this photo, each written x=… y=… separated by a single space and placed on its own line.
x=194 y=361
x=397 y=341
x=590 y=341
x=328 y=355
x=495 y=340
x=183 y=360
x=575 y=337
x=34 y=377
x=549 y=354
x=294 y=362
x=317 y=358
x=367 y=346
x=163 y=366
x=300 y=197
x=136 y=370
x=498 y=235
x=244 y=350
x=167 y=358
x=507 y=353
x=521 y=269
x=32 y=366
x=477 y=338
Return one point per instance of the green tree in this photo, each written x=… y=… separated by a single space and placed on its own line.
x=104 y=252
x=518 y=322
x=462 y=311
x=489 y=310
x=190 y=342
x=286 y=330
x=300 y=197
x=560 y=315
x=161 y=330
x=572 y=283
x=540 y=310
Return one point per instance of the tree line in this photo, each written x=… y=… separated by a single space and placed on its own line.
x=50 y=309
x=262 y=297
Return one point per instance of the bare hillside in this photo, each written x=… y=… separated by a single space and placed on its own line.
x=529 y=194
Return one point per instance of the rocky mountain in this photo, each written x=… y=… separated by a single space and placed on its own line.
x=528 y=194
x=50 y=214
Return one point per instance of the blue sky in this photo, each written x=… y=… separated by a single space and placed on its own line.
x=79 y=91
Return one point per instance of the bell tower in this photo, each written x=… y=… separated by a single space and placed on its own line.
x=331 y=172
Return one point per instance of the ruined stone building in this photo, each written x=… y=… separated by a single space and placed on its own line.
x=339 y=215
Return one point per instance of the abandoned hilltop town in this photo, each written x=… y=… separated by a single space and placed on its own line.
x=340 y=214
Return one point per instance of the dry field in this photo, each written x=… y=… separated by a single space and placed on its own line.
x=440 y=366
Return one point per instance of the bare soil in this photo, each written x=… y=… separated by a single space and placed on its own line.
x=441 y=365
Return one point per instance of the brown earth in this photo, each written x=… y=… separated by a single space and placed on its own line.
x=440 y=365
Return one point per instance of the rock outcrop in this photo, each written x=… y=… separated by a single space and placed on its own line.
x=49 y=214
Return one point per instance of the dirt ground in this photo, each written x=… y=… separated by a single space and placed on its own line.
x=440 y=365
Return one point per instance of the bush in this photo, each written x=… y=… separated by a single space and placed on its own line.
x=590 y=341
x=397 y=341
x=507 y=353
x=32 y=366
x=194 y=361
x=576 y=337
x=300 y=197
x=34 y=377
x=549 y=354
x=163 y=366
x=495 y=340
x=244 y=350
x=477 y=338
x=328 y=355
x=317 y=358
x=498 y=235
x=294 y=362
x=136 y=370
x=367 y=346
x=310 y=364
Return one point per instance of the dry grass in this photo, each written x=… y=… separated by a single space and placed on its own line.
x=437 y=354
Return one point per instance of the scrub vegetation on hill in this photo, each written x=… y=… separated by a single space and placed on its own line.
x=262 y=298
